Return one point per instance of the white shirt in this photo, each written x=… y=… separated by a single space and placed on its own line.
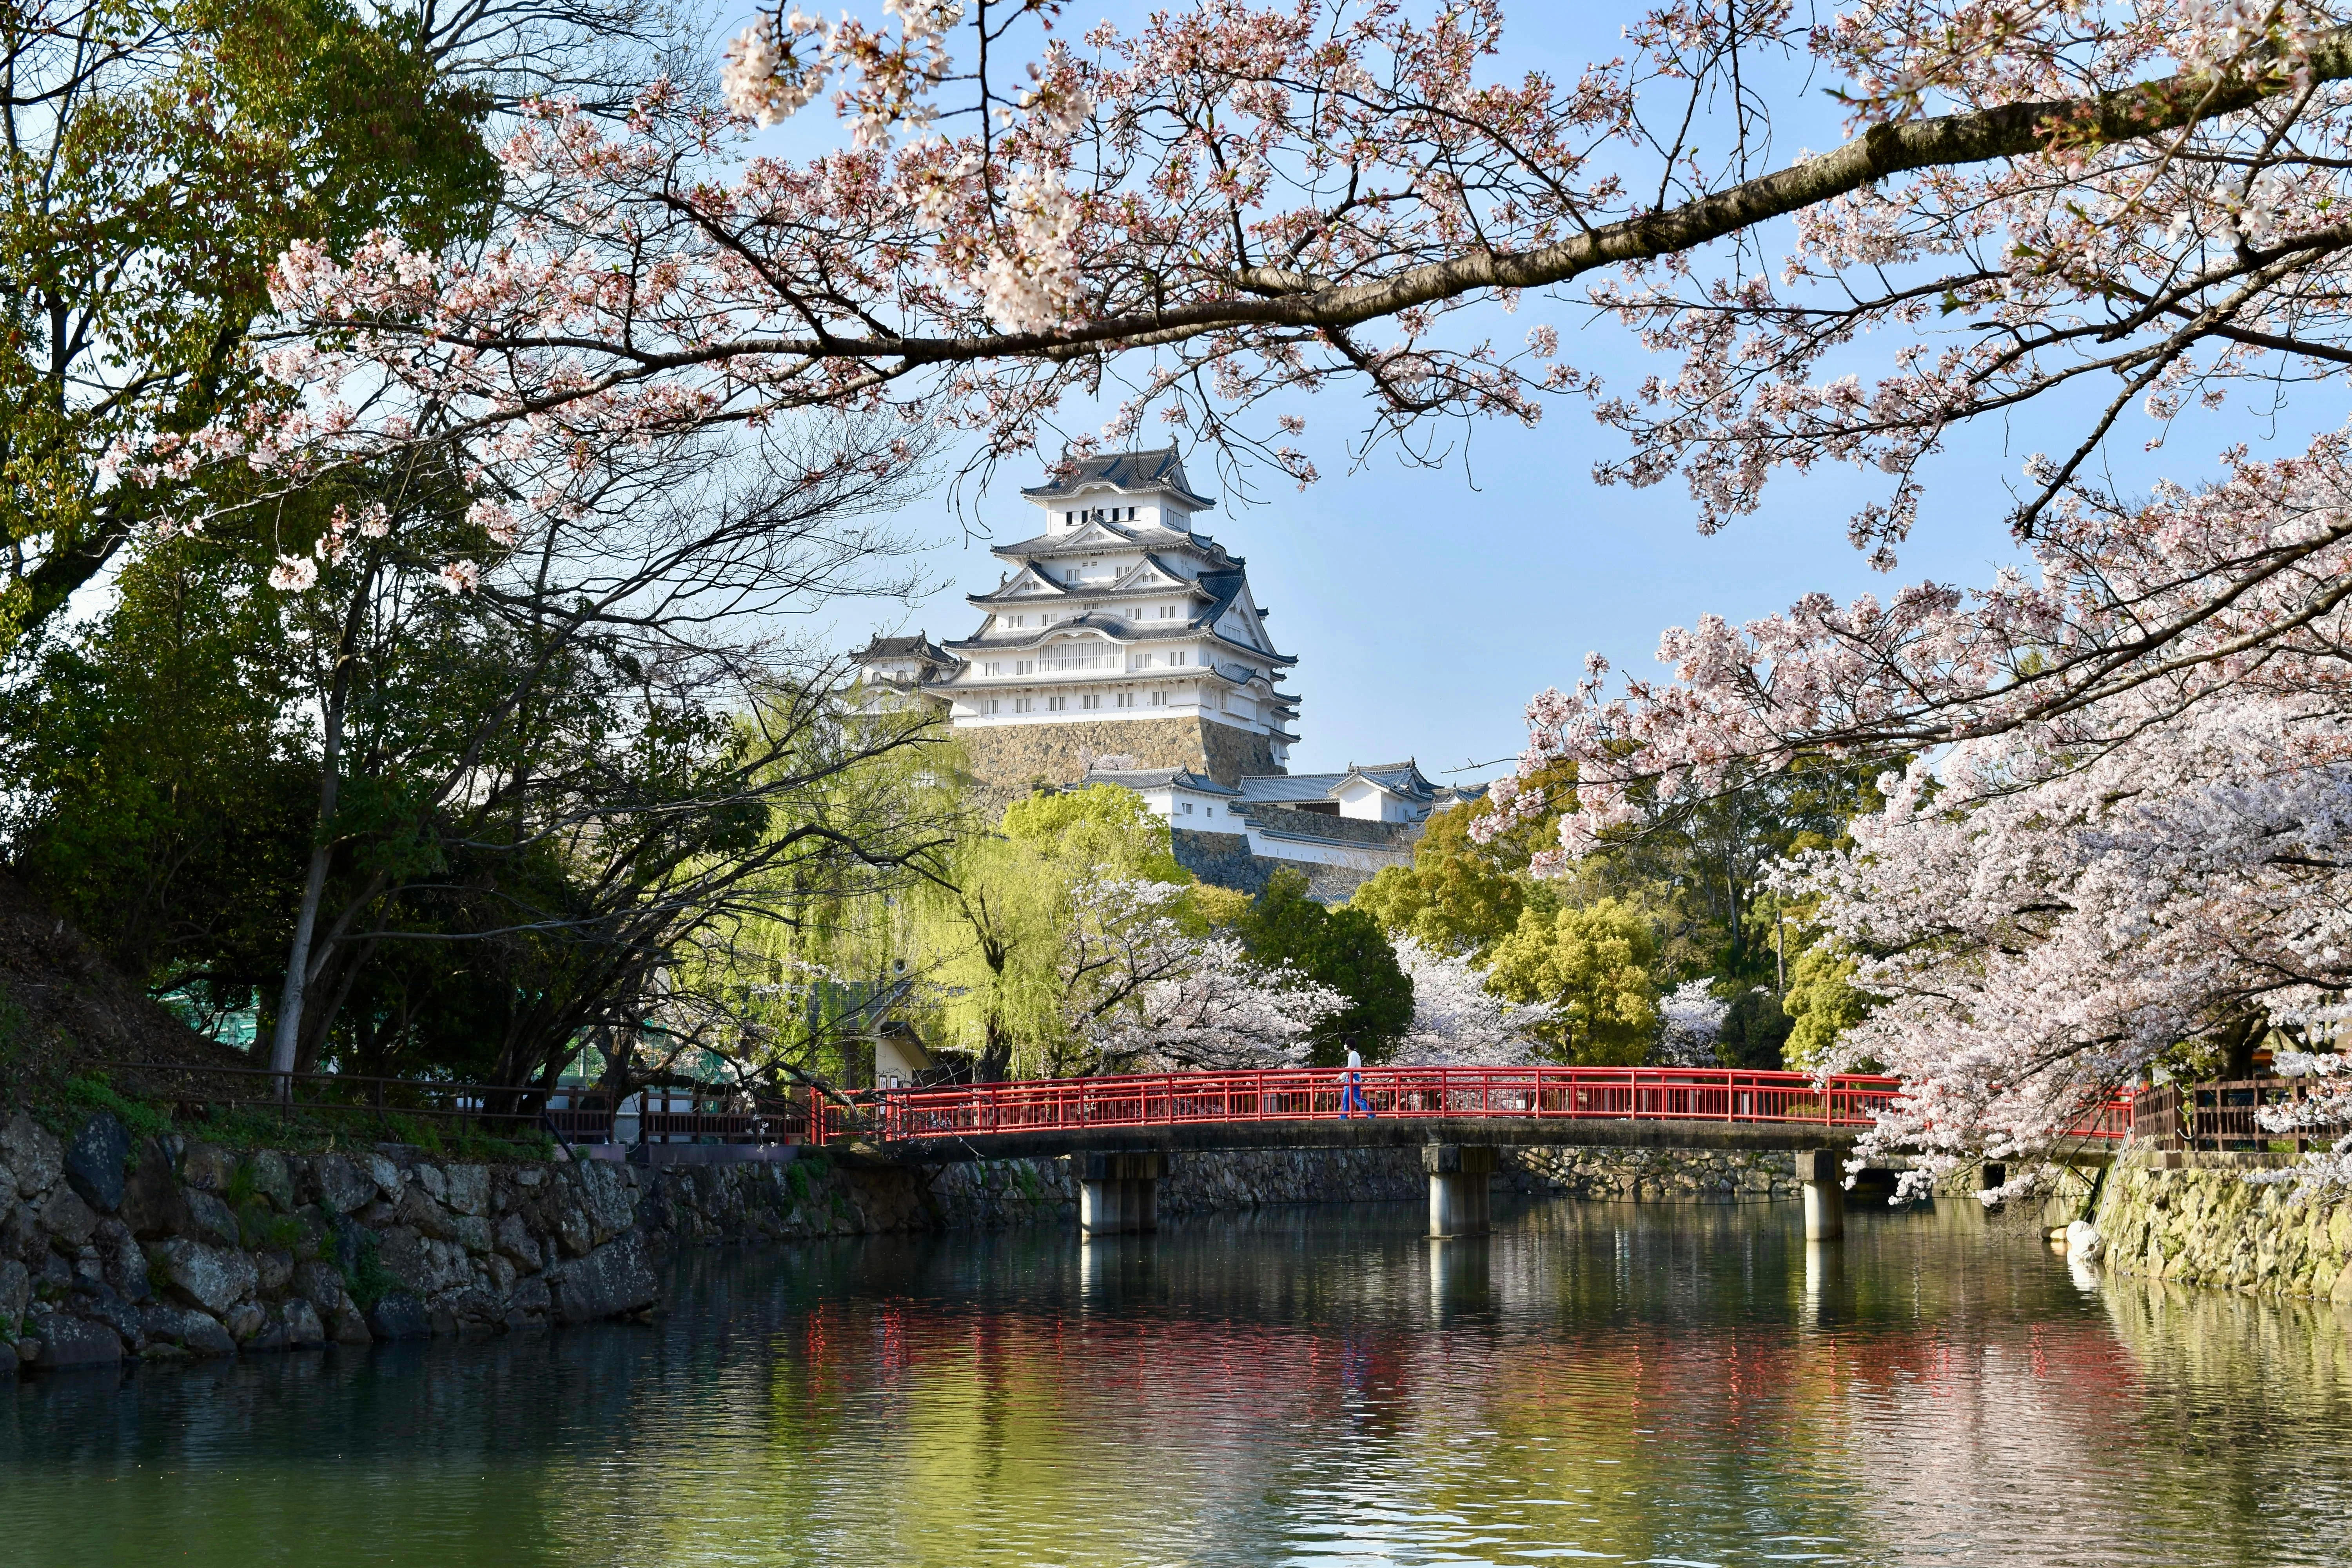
x=1353 y=1060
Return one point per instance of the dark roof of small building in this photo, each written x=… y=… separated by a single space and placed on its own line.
x=919 y=645
x=1158 y=778
x=1160 y=469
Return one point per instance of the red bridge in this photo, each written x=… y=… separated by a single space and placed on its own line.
x=1121 y=1130
x=1660 y=1106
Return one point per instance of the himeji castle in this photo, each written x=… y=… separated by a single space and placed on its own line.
x=1124 y=645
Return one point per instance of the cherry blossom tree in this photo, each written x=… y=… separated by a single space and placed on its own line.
x=1198 y=218
x=1456 y=1020
x=1141 y=990
x=2047 y=922
x=1693 y=1017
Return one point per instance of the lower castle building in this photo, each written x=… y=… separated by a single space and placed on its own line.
x=1122 y=645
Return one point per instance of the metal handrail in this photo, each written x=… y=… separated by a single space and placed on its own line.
x=588 y=1117
x=1538 y=1094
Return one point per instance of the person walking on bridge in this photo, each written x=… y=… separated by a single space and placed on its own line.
x=1352 y=1087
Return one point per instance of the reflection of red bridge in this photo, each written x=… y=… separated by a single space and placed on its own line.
x=1663 y=1107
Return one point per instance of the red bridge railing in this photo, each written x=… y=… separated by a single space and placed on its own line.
x=1313 y=1094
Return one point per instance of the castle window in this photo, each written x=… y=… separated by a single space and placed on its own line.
x=992 y=669
x=1188 y=808
x=1025 y=704
x=1159 y=699
x=1024 y=667
x=1176 y=657
x=1167 y=612
x=993 y=705
x=1127 y=700
x=1055 y=704
x=1089 y=701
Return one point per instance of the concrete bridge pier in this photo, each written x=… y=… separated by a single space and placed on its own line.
x=1458 y=1181
x=1119 y=1193
x=1822 y=1172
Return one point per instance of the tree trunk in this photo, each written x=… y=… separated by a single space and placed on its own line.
x=287 y=1038
x=2238 y=1041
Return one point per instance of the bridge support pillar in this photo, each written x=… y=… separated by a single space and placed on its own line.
x=1119 y=1192
x=1822 y=1173
x=1458 y=1182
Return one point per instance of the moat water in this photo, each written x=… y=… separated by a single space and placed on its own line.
x=1658 y=1383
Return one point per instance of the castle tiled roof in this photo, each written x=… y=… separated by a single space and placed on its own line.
x=1087 y=540
x=1131 y=472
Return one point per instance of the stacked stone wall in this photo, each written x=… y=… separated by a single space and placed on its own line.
x=1008 y=757
x=1223 y=860
x=2202 y=1222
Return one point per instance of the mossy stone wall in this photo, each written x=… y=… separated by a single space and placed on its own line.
x=2200 y=1222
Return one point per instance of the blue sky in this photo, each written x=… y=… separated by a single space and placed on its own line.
x=1426 y=606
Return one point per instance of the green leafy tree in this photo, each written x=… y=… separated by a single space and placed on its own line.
x=1458 y=896
x=1344 y=949
x=994 y=916
x=1822 y=1003
x=1596 y=965
x=1755 y=1031
x=159 y=791
x=161 y=154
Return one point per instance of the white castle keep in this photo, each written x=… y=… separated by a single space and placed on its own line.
x=1122 y=645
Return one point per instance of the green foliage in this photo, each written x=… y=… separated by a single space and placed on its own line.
x=1210 y=908
x=152 y=182
x=86 y=1094
x=239 y=1192
x=1698 y=869
x=1596 y=964
x=365 y=1277
x=1754 y=1029
x=1457 y=895
x=986 y=933
x=1344 y=949
x=278 y=1232
x=1823 y=1002
x=162 y=797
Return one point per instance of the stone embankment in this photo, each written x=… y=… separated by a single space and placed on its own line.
x=2195 y=1219
x=169 y=1248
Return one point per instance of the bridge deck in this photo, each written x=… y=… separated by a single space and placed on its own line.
x=1687 y=1107
x=1377 y=1132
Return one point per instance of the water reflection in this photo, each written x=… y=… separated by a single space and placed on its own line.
x=1643 y=1384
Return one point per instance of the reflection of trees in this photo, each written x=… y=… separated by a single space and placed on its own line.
x=2238 y=1394
x=1638 y=1380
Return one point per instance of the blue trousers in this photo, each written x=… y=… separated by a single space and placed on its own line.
x=1352 y=1098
